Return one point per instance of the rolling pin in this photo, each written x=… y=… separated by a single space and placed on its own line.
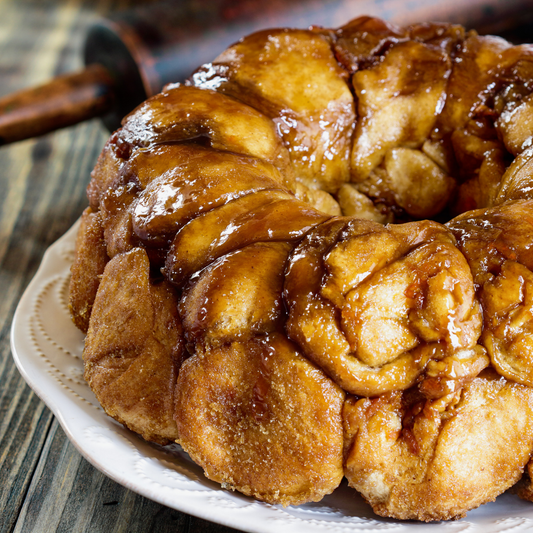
x=133 y=54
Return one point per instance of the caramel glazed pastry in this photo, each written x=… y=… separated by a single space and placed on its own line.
x=314 y=259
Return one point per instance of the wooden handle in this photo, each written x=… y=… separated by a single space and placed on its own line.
x=64 y=101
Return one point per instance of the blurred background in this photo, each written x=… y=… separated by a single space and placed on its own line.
x=45 y=484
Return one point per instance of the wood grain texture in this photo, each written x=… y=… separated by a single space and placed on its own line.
x=45 y=484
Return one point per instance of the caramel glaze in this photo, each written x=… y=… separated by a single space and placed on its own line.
x=285 y=310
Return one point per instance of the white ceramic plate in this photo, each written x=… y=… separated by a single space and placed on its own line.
x=47 y=349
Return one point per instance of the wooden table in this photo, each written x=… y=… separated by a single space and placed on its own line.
x=45 y=485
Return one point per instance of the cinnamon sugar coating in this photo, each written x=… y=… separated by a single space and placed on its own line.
x=269 y=290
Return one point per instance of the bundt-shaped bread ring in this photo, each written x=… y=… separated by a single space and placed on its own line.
x=258 y=282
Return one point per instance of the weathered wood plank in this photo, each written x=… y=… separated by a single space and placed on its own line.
x=45 y=485
x=20 y=447
x=24 y=421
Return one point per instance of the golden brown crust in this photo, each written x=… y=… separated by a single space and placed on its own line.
x=132 y=367
x=260 y=419
x=107 y=167
x=319 y=199
x=88 y=266
x=524 y=487
x=516 y=182
x=436 y=459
